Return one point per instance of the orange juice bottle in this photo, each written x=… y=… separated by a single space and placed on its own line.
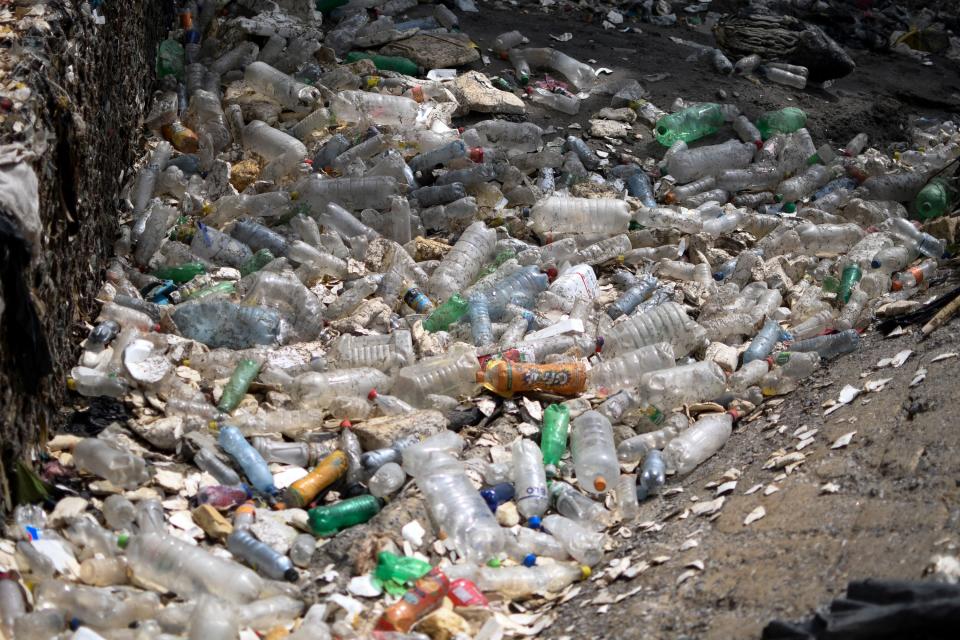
x=506 y=378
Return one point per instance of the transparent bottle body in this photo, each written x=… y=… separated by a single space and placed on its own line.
x=624 y=371
x=594 y=453
x=695 y=445
x=530 y=480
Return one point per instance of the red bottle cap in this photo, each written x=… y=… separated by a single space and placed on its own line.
x=373 y=394
x=552 y=273
x=476 y=154
x=346 y=424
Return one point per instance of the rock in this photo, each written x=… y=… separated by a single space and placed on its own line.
x=443 y=624
x=67 y=510
x=435 y=50
x=213 y=523
x=724 y=355
x=608 y=129
x=946 y=227
x=272 y=531
x=164 y=434
x=384 y=431
x=171 y=481
x=507 y=515
x=244 y=173
x=429 y=249
x=624 y=114
x=253 y=105
x=475 y=92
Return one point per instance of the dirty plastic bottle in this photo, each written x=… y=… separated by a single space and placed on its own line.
x=786 y=120
x=111 y=462
x=553 y=436
x=529 y=479
x=569 y=105
x=667 y=322
x=763 y=343
x=301 y=550
x=279 y=86
x=690 y=164
x=652 y=475
x=523 y=136
x=213 y=619
x=462 y=263
x=574 y=505
x=850 y=315
x=306 y=489
x=782 y=76
x=794 y=367
x=803 y=185
x=895 y=258
x=318 y=390
x=530 y=542
x=632 y=297
x=236 y=387
x=328 y=520
x=261 y=556
x=583 y=545
x=452 y=374
x=12 y=601
x=118 y=512
x=168 y=564
x=519 y=581
x=690 y=124
x=249 y=459
x=91 y=383
x=829 y=346
x=624 y=371
x=98 y=607
x=223 y=497
x=627 y=502
x=900 y=187
x=703 y=439
x=258 y=237
x=480 y=324
x=580 y=75
x=426 y=595
x=150 y=517
x=814 y=325
x=914 y=276
x=385 y=352
x=387 y=480
x=580 y=215
x=669 y=388
x=506 y=378
x=926 y=244
x=594 y=453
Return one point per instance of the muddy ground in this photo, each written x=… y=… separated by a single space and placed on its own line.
x=896 y=501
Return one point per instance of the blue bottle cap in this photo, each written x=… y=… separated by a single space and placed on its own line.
x=529 y=560
x=534 y=522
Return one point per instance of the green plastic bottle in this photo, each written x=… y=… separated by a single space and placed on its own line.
x=399 y=64
x=181 y=273
x=446 y=314
x=226 y=287
x=326 y=6
x=240 y=380
x=258 y=261
x=850 y=276
x=394 y=572
x=170 y=59
x=786 y=120
x=936 y=199
x=690 y=124
x=553 y=436
x=328 y=520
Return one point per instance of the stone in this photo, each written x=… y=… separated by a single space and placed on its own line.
x=429 y=249
x=244 y=173
x=608 y=129
x=213 y=523
x=945 y=227
x=384 y=431
x=435 y=50
x=474 y=91
x=444 y=624
x=724 y=355
x=624 y=114
x=67 y=510
x=164 y=434
x=507 y=515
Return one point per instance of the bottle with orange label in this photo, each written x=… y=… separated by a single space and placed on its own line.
x=505 y=378
x=303 y=491
x=914 y=276
x=183 y=139
x=427 y=594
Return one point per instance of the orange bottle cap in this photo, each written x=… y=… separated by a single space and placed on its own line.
x=600 y=484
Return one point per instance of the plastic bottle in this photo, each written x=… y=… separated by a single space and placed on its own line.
x=506 y=378
x=652 y=475
x=233 y=392
x=426 y=595
x=786 y=120
x=814 y=325
x=703 y=439
x=306 y=489
x=936 y=199
x=782 y=76
x=318 y=390
x=498 y=494
x=594 y=454
x=667 y=322
x=803 y=185
x=553 y=436
x=328 y=520
x=763 y=343
x=529 y=479
x=12 y=602
x=632 y=297
x=688 y=165
x=583 y=545
x=262 y=557
x=624 y=371
x=895 y=258
x=213 y=619
x=900 y=187
x=279 y=86
x=91 y=383
x=301 y=550
x=690 y=124
x=569 y=105
x=223 y=498
x=580 y=215
x=669 y=388
x=856 y=145
x=480 y=324
x=111 y=462
x=258 y=237
x=925 y=243
x=446 y=314
x=168 y=564
x=451 y=374
x=523 y=136
x=150 y=517
x=387 y=480
x=384 y=352
x=506 y=41
x=98 y=607
x=850 y=315
x=829 y=346
x=352 y=107
x=914 y=276
x=462 y=263
x=519 y=581
x=580 y=75
x=530 y=542
x=118 y=512
x=605 y=250
x=794 y=367
x=249 y=459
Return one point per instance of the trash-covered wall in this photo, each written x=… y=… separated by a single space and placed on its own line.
x=74 y=87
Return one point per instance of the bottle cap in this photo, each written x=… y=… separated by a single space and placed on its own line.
x=875 y=264
x=529 y=560
x=71 y=384
x=552 y=273
x=493 y=562
x=534 y=522
x=600 y=342
x=371 y=396
x=600 y=484
x=291 y=575
x=346 y=424
x=123 y=540
x=476 y=154
x=585 y=571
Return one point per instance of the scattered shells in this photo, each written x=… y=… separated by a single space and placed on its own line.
x=843 y=440
x=944 y=356
x=753 y=489
x=708 y=508
x=920 y=376
x=726 y=487
x=830 y=487
x=771 y=489
x=754 y=515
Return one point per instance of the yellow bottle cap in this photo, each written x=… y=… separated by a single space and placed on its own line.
x=585 y=571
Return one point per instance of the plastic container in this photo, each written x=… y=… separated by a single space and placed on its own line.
x=451 y=374
x=594 y=453
x=328 y=520
x=667 y=322
x=652 y=475
x=695 y=445
x=111 y=462
x=303 y=491
x=690 y=124
x=529 y=479
x=625 y=370
x=580 y=215
x=248 y=458
x=507 y=378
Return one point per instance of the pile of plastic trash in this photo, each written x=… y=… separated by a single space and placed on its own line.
x=328 y=300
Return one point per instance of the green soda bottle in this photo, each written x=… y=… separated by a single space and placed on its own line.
x=328 y=520
x=690 y=124
x=936 y=199
x=850 y=276
x=170 y=59
x=181 y=273
x=238 y=384
x=258 y=261
x=220 y=287
x=399 y=64
x=394 y=572
x=446 y=314
x=786 y=120
x=553 y=436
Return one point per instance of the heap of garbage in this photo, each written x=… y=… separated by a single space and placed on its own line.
x=330 y=304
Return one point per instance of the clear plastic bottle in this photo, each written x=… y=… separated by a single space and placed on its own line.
x=480 y=324
x=747 y=131
x=814 y=325
x=384 y=352
x=605 y=250
x=150 y=517
x=279 y=86
x=257 y=237
x=388 y=479
x=318 y=390
x=569 y=105
x=829 y=239
x=693 y=446
x=168 y=564
x=438 y=194
x=248 y=458
x=529 y=479
x=856 y=145
x=829 y=346
x=390 y=405
x=669 y=388
x=580 y=75
x=794 y=367
x=103 y=572
x=519 y=581
x=926 y=244
x=143 y=190
x=13 y=604
x=763 y=343
x=624 y=371
x=126 y=317
x=91 y=383
x=914 y=276
x=506 y=41
x=574 y=505
x=536 y=543
x=353 y=107
x=632 y=297
x=691 y=164
x=213 y=619
x=583 y=544
x=463 y=262
x=118 y=513
x=580 y=215
x=782 y=76
x=111 y=462
x=852 y=312
x=728 y=325
x=899 y=187
x=261 y=556
x=652 y=475
x=523 y=136
x=667 y=322
x=803 y=185
x=218 y=247
x=221 y=471
x=667 y=218
x=440 y=156
x=301 y=550
x=97 y=607
x=594 y=453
